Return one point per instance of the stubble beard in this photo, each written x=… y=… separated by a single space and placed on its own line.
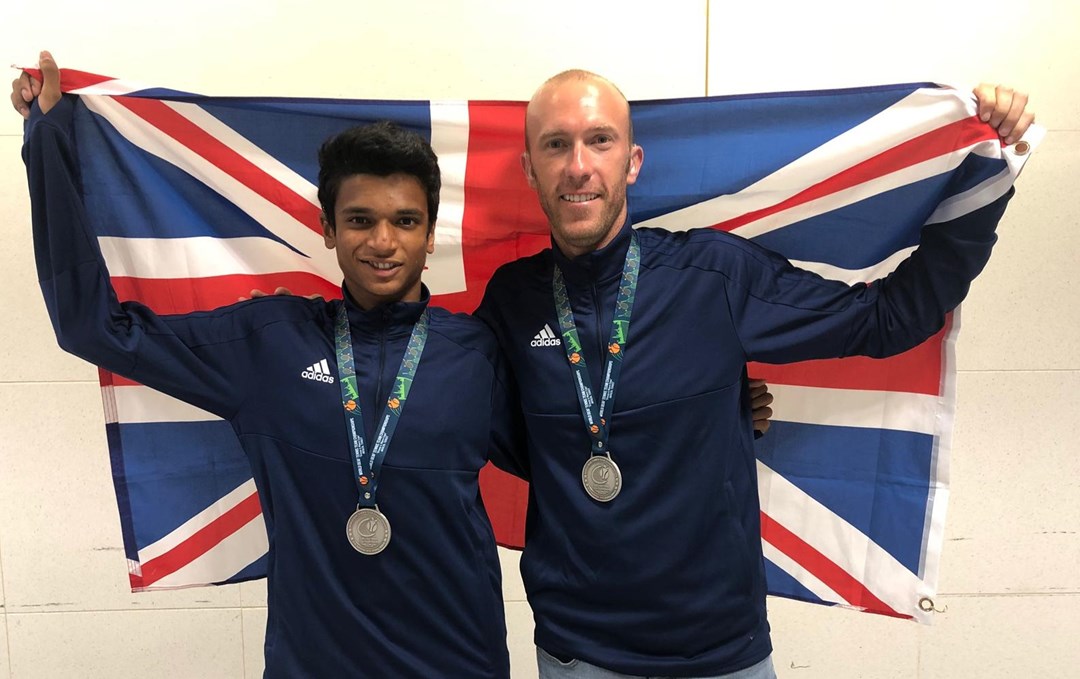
x=592 y=236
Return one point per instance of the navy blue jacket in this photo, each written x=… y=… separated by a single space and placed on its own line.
x=668 y=578
x=430 y=605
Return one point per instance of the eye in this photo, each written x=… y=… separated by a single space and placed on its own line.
x=408 y=221
x=555 y=144
x=359 y=220
x=603 y=140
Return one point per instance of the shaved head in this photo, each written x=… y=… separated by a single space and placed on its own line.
x=580 y=157
x=575 y=75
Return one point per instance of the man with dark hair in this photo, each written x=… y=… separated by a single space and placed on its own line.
x=382 y=149
x=382 y=561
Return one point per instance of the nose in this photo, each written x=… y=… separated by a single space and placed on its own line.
x=383 y=236
x=580 y=162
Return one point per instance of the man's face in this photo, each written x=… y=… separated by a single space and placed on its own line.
x=579 y=160
x=382 y=237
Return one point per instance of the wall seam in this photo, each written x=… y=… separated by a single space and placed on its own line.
x=243 y=639
x=7 y=632
x=708 y=6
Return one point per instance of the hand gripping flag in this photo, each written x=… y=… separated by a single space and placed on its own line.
x=198 y=200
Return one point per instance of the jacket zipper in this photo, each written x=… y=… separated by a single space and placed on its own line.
x=377 y=412
x=600 y=339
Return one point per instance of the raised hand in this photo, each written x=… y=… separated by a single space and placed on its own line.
x=26 y=88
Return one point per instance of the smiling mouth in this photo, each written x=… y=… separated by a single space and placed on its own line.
x=578 y=197
x=380 y=266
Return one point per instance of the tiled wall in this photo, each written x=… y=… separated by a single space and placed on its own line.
x=1010 y=583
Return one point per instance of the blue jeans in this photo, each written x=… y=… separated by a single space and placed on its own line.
x=552 y=668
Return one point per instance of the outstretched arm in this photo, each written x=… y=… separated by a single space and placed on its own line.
x=194 y=357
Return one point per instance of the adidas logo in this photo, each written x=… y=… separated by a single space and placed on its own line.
x=320 y=372
x=545 y=338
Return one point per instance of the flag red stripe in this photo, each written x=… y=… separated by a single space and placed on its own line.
x=502 y=219
x=181 y=296
x=502 y=222
x=70 y=79
x=916 y=371
x=938 y=142
x=511 y=495
x=115 y=380
x=184 y=295
x=836 y=578
x=187 y=133
x=200 y=542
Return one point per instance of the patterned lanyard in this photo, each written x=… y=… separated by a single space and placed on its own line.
x=600 y=476
x=366 y=466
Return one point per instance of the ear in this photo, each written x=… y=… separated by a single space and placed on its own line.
x=637 y=157
x=329 y=234
x=527 y=168
x=431 y=238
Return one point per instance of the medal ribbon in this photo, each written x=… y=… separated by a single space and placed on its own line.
x=366 y=466
x=595 y=414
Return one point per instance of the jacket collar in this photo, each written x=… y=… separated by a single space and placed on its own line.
x=392 y=318
x=599 y=265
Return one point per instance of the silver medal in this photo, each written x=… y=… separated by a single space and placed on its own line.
x=601 y=478
x=368 y=531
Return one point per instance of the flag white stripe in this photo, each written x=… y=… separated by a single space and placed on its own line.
x=202 y=256
x=894 y=410
x=198 y=522
x=801 y=575
x=108 y=402
x=974 y=198
x=139 y=404
x=135 y=404
x=852 y=276
x=148 y=138
x=867 y=189
x=226 y=559
x=109 y=88
x=281 y=172
x=922 y=111
x=938 y=498
x=843 y=544
x=450 y=140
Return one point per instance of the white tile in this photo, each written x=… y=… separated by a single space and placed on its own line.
x=513 y=588
x=1003 y=638
x=4 y=674
x=1022 y=314
x=59 y=525
x=28 y=350
x=652 y=50
x=519 y=639
x=811 y=641
x=182 y=644
x=254 y=635
x=839 y=43
x=253 y=593
x=4 y=664
x=1013 y=523
x=2 y=598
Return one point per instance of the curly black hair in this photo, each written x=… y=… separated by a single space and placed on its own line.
x=379 y=149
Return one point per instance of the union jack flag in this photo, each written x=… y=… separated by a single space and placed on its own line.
x=197 y=200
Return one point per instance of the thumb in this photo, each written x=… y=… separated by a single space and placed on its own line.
x=50 y=85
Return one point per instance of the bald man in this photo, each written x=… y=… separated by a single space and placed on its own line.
x=643 y=552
